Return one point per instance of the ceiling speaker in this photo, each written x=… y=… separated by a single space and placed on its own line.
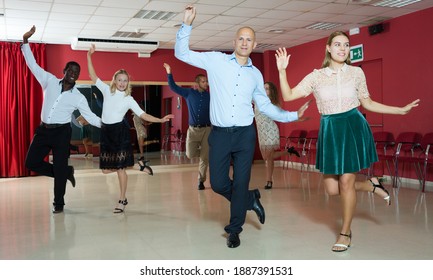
x=375 y=29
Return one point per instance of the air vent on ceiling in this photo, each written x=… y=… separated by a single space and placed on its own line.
x=264 y=46
x=157 y=15
x=110 y=45
x=323 y=25
x=394 y=3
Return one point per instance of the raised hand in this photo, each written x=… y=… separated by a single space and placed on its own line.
x=406 y=109
x=303 y=109
x=167 y=68
x=189 y=15
x=282 y=59
x=92 y=49
x=29 y=34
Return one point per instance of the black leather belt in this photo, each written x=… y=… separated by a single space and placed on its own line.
x=230 y=129
x=53 y=125
x=200 y=125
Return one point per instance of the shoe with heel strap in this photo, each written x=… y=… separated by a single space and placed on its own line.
x=340 y=247
x=144 y=165
x=121 y=207
x=387 y=198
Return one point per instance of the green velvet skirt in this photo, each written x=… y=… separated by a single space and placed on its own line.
x=345 y=143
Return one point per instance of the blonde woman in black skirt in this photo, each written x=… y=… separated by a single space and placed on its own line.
x=345 y=144
x=115 y=144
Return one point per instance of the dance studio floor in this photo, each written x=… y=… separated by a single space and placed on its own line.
x=167 y=218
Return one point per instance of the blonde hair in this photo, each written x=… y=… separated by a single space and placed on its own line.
x=328 y=59
x=113 y=87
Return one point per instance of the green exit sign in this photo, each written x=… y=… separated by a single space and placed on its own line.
x=356 y=53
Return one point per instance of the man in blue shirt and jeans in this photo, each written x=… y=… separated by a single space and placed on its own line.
x=198 y=132
x=235 y=83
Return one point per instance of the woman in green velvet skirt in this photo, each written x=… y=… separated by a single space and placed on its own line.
x=345 y=144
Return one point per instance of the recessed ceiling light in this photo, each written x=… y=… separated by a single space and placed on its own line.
x=277 y=31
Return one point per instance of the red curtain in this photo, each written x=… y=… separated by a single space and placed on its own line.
x=20 y=106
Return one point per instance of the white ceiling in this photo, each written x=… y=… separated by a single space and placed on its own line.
x=59 y=21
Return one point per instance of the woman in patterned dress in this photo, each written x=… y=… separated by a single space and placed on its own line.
x=345 y=144
x=269 y=135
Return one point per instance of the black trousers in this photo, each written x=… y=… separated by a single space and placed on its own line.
x=56 y=140
x=235 y=144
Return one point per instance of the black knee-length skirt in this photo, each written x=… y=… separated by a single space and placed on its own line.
x=116 y=148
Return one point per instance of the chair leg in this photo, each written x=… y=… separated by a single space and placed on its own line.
x=424 y=176
x=394 y=181
x=389 y=170
x=418 y=173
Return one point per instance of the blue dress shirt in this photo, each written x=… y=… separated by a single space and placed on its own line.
x=233 y=87
x=197 y=102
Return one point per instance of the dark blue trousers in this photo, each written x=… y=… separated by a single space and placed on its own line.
x=236 y=144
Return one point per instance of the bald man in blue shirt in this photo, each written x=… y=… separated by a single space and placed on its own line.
x=234 y=84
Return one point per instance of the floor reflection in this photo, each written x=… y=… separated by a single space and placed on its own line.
x=168 y=218
x=81 y=162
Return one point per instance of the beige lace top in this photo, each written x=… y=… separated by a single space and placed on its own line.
x=335 y=91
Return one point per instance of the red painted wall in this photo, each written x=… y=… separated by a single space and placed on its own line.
x=405 y=49
x=148 y=70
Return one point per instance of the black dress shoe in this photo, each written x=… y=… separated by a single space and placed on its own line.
x=200 y=186
x=257 y=206
x=292 y=151
x=71 y=177
x=73 y=148
x=57 y=209
x=233 y=240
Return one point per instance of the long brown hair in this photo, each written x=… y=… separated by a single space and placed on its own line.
x=328 y=59
x=128 y=89
x=273 y=94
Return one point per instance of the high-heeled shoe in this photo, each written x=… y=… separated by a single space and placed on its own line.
x=340 y=247
x=121 y=207
x=292 y=151
x=268 y=185
x=144 y=165
x=387 y=198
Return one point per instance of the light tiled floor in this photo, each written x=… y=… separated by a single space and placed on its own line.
x=167 y=218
